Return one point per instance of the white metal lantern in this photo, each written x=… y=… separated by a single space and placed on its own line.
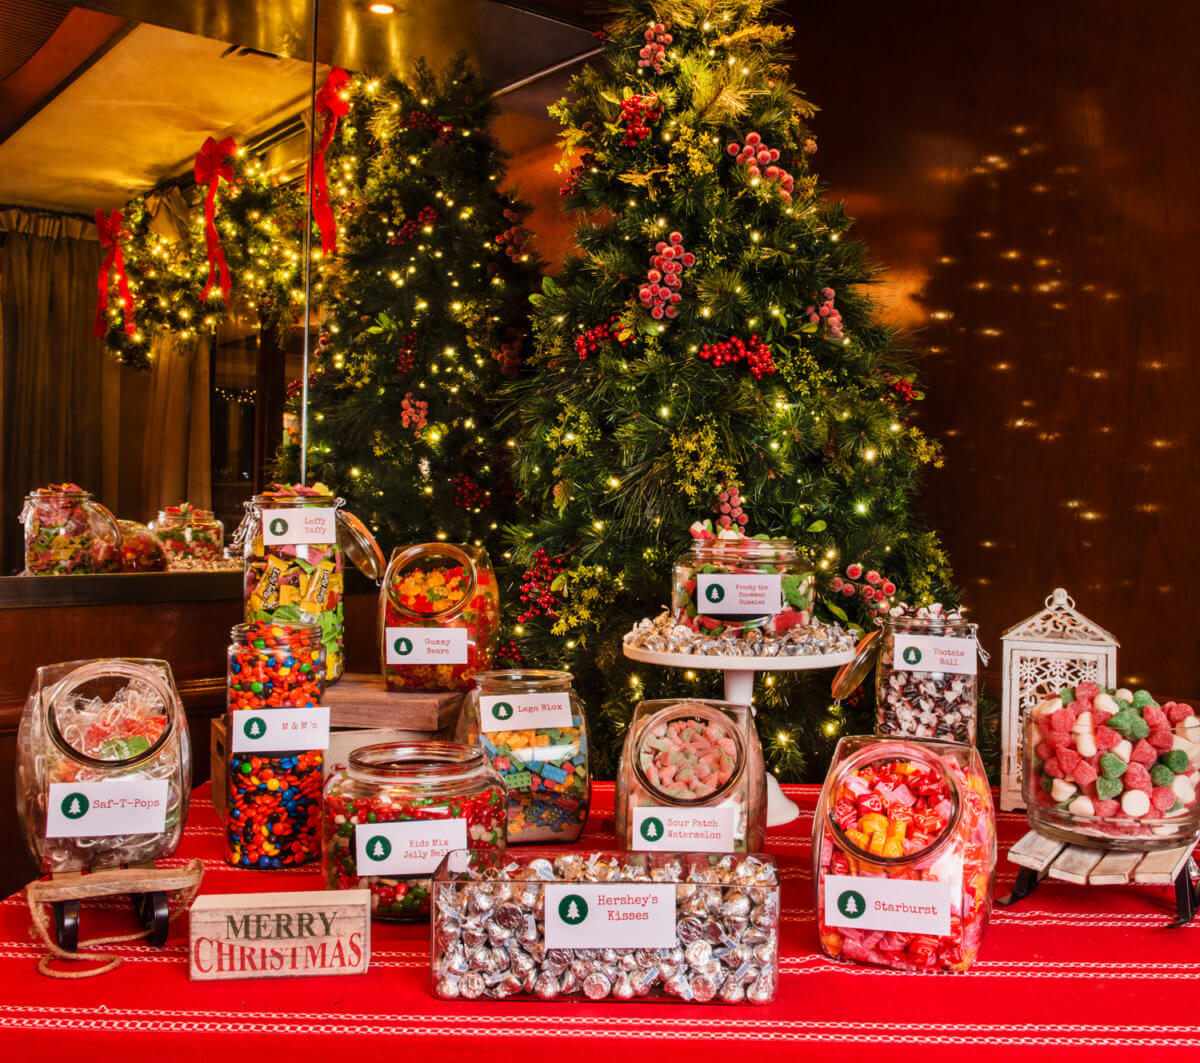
x=1058 y=647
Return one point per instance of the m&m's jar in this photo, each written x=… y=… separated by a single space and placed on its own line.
x=904 y=854
x=439 y=617
x=531 y=727
x=62 y=527
x=397 y=809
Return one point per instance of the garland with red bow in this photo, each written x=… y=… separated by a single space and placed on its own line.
x=111 y=235
x=212 y=166
x=330 y=103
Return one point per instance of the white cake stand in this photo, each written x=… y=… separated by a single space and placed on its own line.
x=739 y=688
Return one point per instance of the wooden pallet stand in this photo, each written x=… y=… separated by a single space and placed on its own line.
x=1040 y=857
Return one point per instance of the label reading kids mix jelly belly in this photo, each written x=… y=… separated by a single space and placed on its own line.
x=747 y=594
x=929 y=653
x=411 y=847
x=426 y=645
x=290 y=527
x=280 y=730
x=102 y=809
x=521 y=712
x=616 y=915
x=691 y=830
x=888 y=904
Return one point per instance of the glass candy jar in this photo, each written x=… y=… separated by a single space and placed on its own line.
x=295 y=540
x=62 y=525
x=190 y=534
x=531 y=727
x=439 y=617
x=398 y=808
x=104 y=765
x=904 y=854
x=691 y=779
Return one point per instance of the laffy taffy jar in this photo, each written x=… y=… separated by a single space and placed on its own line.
x=531 y=727
x=189 y=534
x=439 y=617
x=691 y=779
x=397 y=809
x=904 y=854
x=62 y=527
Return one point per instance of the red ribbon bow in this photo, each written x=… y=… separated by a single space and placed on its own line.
x=110 y=239
x=213 y=166
x=329 y=103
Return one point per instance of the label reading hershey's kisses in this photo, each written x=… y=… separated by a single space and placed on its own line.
x=689 y=830
x=933 y=653
x=411 y=847
x=102 y=809
x=888 y=904
x=746 y=594
x=280 y=730
x=520 y=712
x=290 y=527
x=426 y=645
x=610 y=915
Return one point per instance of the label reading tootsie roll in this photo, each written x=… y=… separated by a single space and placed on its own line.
x=521 y=712
x=888 y=904
x=745 y=594
x=614 y=915
x=411 y=847
x=931 y=653
x=290 y=527
x=690 y=830
x=426 y=645
x=102 y=809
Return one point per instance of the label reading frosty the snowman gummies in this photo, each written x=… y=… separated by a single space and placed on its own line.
x=426 y=645
x=744 y=594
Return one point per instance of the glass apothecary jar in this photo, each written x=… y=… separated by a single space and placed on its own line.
x=190 y=534
x=737 y=585
x=62 y=524
x=1112 y=769
x=104 y=765
x=397 y=809
x=531 y=728
x=904 y=854
x=439 y=617
x=295 y=541
x=691 y=778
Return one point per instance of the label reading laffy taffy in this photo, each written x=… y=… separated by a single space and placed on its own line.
x=291 y=527
x=426 y=645
x=591 y=915
x=102 y=809
x=689 y=830
x=744 y=594
x=888 y=904
x=410 y=847
x=931 y=653
x=524 y=712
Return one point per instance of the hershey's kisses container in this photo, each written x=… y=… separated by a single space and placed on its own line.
x=692 y=779
x=531 y=727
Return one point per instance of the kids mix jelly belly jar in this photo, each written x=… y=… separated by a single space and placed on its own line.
x=397 y=809
x=439 y=617
x=904 y=854
x=530 y=726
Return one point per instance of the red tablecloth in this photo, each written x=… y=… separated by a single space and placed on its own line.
x=1072 y=969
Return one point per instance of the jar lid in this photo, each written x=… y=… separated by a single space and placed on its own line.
x=427 y=557
x=360 y=545
x=853 y=674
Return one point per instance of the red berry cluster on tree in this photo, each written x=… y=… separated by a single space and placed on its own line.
x=508 y=650
x=653 y=53
x=638 y=113
x=589 y=342
x=571 y=185
x=467 y=493
x=875 y=590
x=405 y=353
x=422 y=120
x=660 y=294
x=426 y=216
x=755 y=353
x=512 y=239
x=414 y=413
x=728 y=506
x=900 y=389
x=509 y=356
x=539 y=599
x=759 y=161
x=827 y=312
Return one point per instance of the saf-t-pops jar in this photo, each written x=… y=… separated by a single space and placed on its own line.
x=439 y=617
x=691 y=779
x=189 y=534
x=904 y=854
x=62 y=526
x=396 y=809
x=104 y=765
x=531 y=727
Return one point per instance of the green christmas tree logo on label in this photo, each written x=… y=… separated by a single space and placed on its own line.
x=911 y=655
x=255 y=727
x=502 y=710
x=715 y=593
x=572 y=909
x=402 y=646
x=379 y=848
x=279 y=526
x=651 y=829
x=851 y=904
x=75 y=806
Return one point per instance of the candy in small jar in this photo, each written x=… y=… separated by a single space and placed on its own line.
x=274 y=795
x=904 y=854
x=139 y=551
x=531 y=727
x=94 y=735
x=190 y=534
x=691 y=779
x=62 y=526
x=439 y=617
x=397 y=809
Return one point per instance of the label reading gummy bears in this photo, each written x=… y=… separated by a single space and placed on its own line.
x=930 y=653
x=689 y=830
x=887 y=904
x=521 y=712
x=290 y=527
x=426 y=645
x=746 y=594
x=279 y=730
x=614 y=915
x=408 y=847
x=102 y=809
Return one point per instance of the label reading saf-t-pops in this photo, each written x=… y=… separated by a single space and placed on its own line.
x=280 y=730
x=426 y=645
x=302 y=525
x=411 y=847
x=745 y=594
x=523 y=712
x=888 y=904
x=931 y=653
x=696 y=830
x=613 y=915
x=102 y=809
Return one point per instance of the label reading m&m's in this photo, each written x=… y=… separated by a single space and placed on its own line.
x=411 y=847
x=291 y=527
x=695 y=830
x=744 y=594
x=426 y=645
x=522 y=712
x=271 y=730
x=589 y=915
x=102 y=809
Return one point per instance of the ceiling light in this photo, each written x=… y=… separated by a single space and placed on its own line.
x=383 y=9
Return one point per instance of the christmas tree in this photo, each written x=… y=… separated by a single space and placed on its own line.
x=711 y=352
x=423 y=310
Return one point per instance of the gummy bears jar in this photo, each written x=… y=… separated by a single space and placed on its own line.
x=739 y=585
x=904 y=854
x=104 y=765
x=691 y=779
x=439 y=617
x=294 y=546
x=62 y=525
x=531 y=727
x=397 y=809
x=189 y=534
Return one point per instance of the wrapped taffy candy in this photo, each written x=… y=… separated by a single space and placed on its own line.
x=904 y=854
x=62 y=525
